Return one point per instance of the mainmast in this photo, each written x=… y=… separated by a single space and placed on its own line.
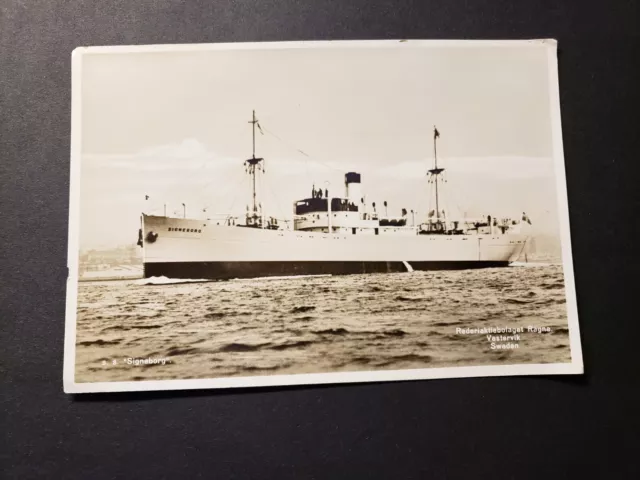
x=435 y=171
x=252 y=164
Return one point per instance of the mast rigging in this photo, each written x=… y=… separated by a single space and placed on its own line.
x=435 y=172
x=252 y=164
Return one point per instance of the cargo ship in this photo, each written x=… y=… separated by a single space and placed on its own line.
x=327 y=235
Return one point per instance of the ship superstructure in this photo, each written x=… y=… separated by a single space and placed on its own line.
x=331 y=235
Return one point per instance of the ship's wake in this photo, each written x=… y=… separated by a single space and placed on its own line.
x=162 y=280
x=532 y=264
x=169 y=281
x=284 y=277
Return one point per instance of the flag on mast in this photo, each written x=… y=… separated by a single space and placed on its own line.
x=436 y=133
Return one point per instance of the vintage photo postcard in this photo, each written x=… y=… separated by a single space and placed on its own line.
x=246 y=215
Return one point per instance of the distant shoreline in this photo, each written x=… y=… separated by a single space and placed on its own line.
x=107 y=279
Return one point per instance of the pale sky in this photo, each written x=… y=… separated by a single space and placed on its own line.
x=174 y=126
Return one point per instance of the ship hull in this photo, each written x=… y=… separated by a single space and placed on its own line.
x=231 y=270
x=196 y=249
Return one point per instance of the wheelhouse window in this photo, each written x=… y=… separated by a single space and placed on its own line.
x=312 y=205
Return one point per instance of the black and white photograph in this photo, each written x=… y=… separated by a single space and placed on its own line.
x=317 y=212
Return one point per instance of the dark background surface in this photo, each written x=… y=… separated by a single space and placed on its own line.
x=465 y=428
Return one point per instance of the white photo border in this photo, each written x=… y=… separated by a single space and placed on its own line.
x=573 y=367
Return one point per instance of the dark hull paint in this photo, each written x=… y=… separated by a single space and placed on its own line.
x=229 y=270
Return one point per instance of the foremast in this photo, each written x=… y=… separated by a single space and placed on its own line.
x=253 y=165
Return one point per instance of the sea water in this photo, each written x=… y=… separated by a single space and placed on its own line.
x=160 y=329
